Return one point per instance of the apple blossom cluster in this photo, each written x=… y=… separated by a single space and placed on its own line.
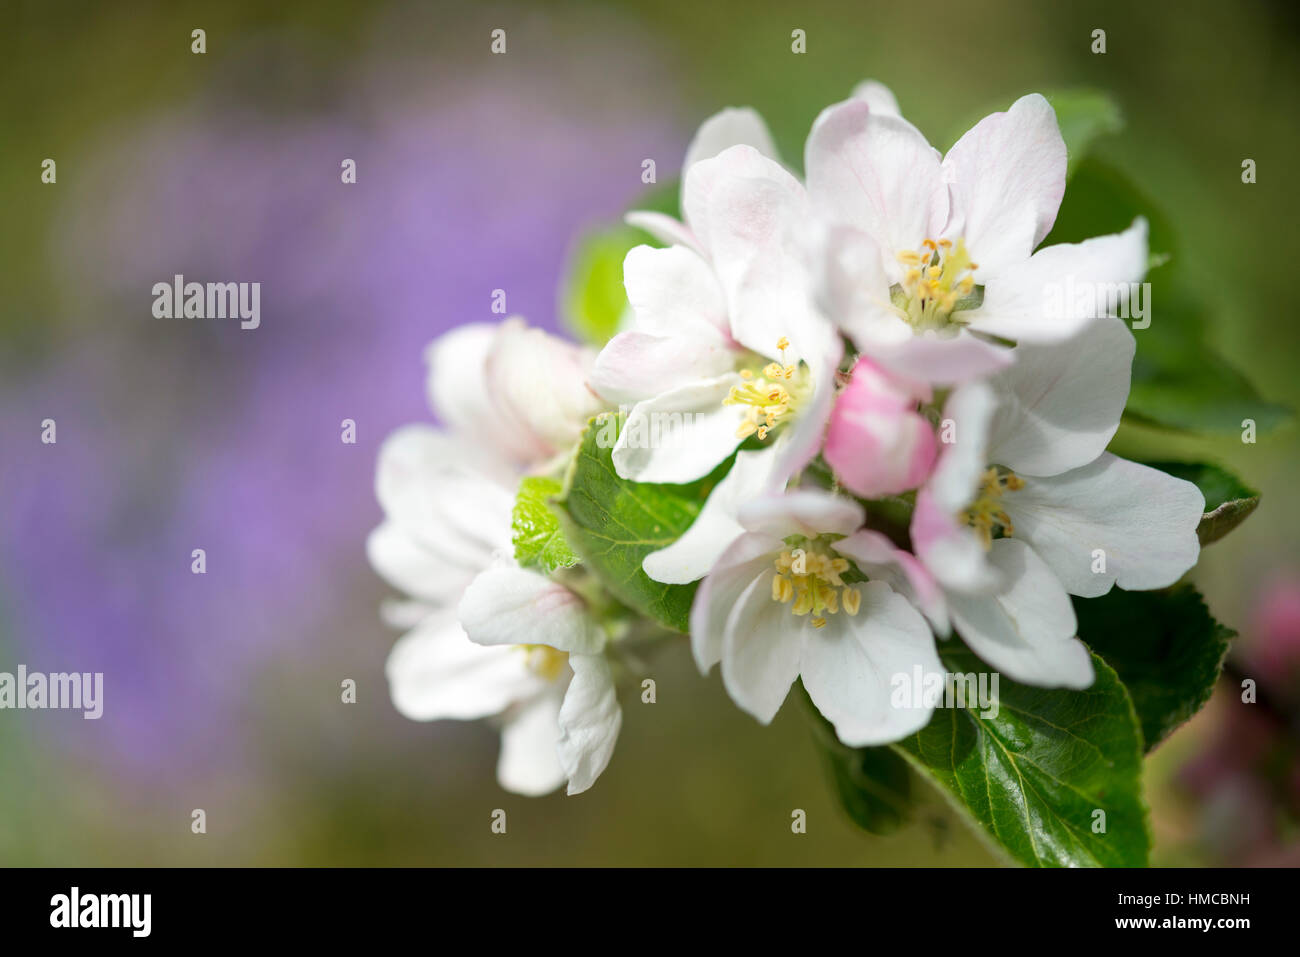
x=916 y=445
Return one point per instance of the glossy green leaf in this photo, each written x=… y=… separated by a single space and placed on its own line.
x=612 y=524
x=1228 y=501
x=1035 y=776
x=535 y=528
x=1165 y=647
x=873 y=785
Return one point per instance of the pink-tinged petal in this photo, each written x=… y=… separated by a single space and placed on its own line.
x=529 y=763
x=943 y=357
x=635 y=366
x=589 y=721
x=1059 y=406
x=1142 y=519
x=664 y=228
x=1007 y=175
x=540 y=382
x=673 y=292
x=434 y=671
x=761 y=651
x=747 y=560
x=755 y=212
x=807 y=512
x=462 y=397
x=508 y=605
x=878 y=443
x=737 y=164
x=733 y=126
x=877 y=173
x=878 y=557
x=850 y=668
x=879 y=97
x=1060 y=289
x=703 y=544
x=950 y=551
x=1027 y=630
x=852 y=286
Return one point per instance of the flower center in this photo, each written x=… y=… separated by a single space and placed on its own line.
x=543 y=660
x=935 y=280
x=770 y=396
x=985 y=514
x=810 y=579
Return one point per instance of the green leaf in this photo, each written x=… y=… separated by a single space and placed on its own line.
x=613 y=524
x=592 y=296
x=1228 y=501
x=874 y=785
x=1165 y=647
x=1033 y=776
x=1180 y=383
x=537 y=537
x=1084 y=116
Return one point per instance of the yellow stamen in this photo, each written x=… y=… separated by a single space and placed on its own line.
x=986 y=514
x=810 y=580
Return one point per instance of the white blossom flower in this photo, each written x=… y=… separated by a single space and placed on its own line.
x=928 y=262
x=777 y=607
x=1025 y=508
x=487 y=638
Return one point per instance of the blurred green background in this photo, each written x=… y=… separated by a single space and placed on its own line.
x=694 y=781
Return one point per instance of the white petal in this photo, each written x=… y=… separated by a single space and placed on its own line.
x=690 y=557
x=462 y=397
x=940 y=357
x=737 y=164
x=1143 y=519
x=1027 y=631
x=443 y=492
x=1057 y=291
x=877 y=173
x=664 y=228
x=634 y=366
x=963 y=450
x=508 y=605
x=733 y=126
x=1008 y=176
x=879 y=97
x=589 y=721
x=853 y=286
x=807 y=512
x=880 y=558
x=761 y=651
x=530 y=761
x=434 y=671
x=1059 y=406
x=749 y=558
x=407 y=564
x=801 y=440
x=673 y=292
x=680 y=435
x=849 y=667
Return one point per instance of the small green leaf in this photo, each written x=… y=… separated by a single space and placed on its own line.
x=592 y=295
x=874 y=785
x=1165 y=647
x=613 y=524
x=1035 y=776
x=1228 y=501
x=537 y=537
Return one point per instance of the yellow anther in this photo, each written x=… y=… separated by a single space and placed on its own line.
x=852 y=600
x=819 y=622
x=986 y=514
x=543 y=660
x=747 y=373
x=810 y=579
x=946 y=243
x=909 y=258
x=766 y=395
x=782 y=344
